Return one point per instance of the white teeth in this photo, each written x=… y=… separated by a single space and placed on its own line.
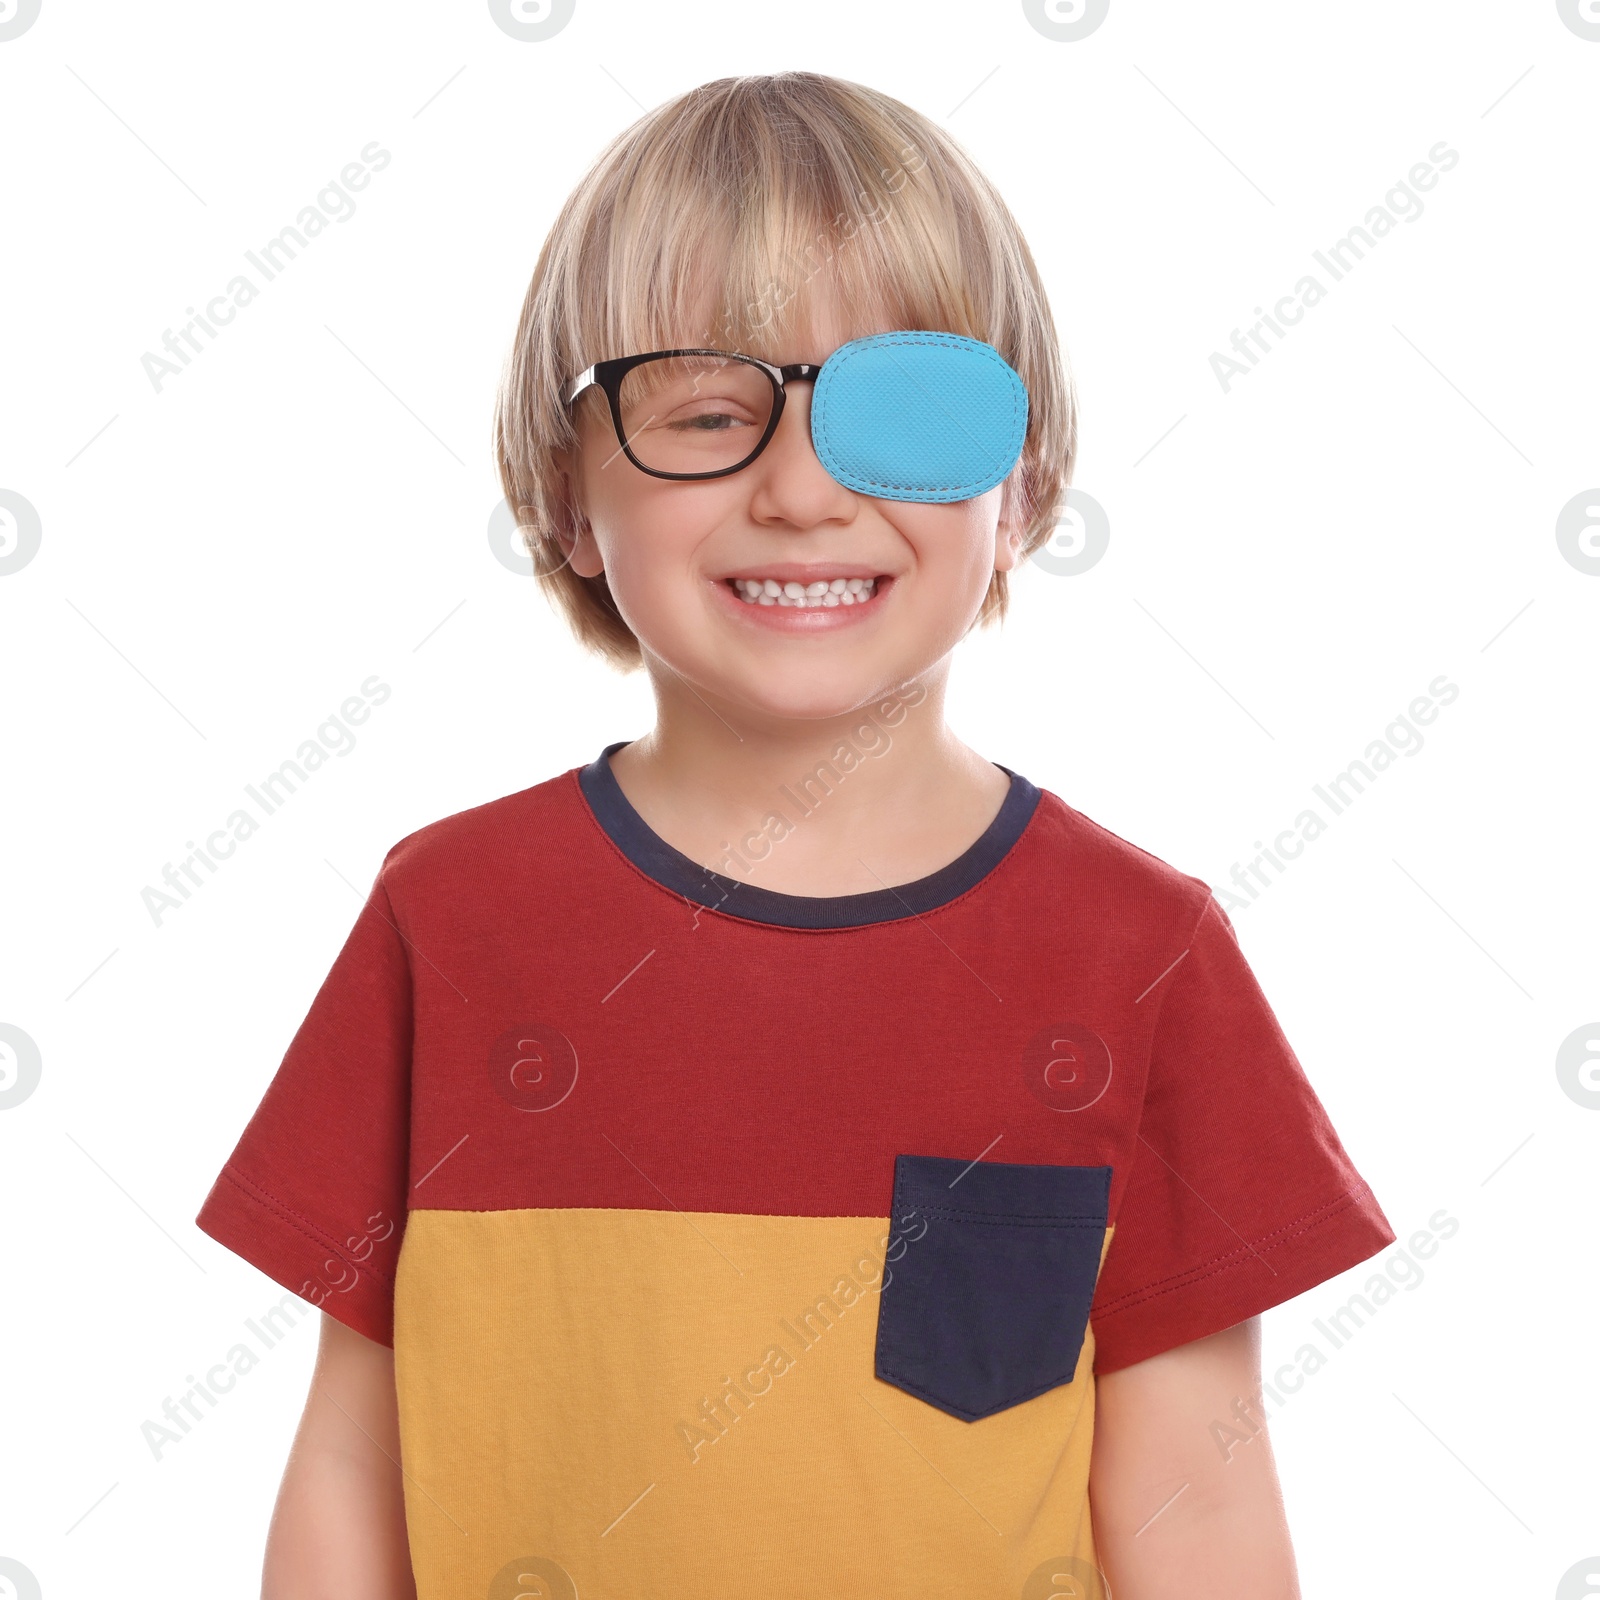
x=822 y=592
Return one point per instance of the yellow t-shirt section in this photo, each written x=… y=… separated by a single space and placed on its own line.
x=618 y=1403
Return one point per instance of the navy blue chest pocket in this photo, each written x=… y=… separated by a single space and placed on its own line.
x=986 y=1298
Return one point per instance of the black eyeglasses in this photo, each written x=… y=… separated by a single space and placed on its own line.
x=691 y=413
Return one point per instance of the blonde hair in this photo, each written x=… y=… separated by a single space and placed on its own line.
x=745 y=189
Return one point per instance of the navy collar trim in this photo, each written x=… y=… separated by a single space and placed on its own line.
x=657 y=859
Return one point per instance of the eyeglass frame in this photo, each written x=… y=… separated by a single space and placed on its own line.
x=607 y=376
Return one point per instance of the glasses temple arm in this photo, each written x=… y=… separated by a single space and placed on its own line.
x=575 y=386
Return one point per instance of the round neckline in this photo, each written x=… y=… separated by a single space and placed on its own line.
x=659 y=861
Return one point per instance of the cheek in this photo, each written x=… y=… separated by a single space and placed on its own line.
x=950 y=538
x=635 y=568
x=650 y=540
x=643 y=590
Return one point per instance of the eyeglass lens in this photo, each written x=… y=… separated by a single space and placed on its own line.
x=697 y=413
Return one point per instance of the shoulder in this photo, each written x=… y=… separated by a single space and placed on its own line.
x=482 y=844
x=1123 y=881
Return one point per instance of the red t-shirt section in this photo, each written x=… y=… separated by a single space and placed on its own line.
x=729 y=1065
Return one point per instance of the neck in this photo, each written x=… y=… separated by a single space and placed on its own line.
x=843 y=804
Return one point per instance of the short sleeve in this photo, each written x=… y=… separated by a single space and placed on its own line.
x=314 y=1193
x=1240 y=1195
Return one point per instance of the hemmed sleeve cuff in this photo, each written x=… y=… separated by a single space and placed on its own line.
x=1241 y=1283
x=293 y=1251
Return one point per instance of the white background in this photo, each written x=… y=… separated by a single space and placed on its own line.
x=1291 y=564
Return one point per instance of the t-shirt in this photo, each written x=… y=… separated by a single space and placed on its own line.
x=735 y=1243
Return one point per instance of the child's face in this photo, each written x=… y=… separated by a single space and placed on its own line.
x=670 y=551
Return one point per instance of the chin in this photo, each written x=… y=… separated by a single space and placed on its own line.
x=793 y=702
x=794 y=694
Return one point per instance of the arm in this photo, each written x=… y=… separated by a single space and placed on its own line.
x=339 y=1531
x=1173 y=1515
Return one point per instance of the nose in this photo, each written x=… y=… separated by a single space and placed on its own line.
x=799 y=383
x=791 y=483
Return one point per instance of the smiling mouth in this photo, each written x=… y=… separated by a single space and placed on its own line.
x=821 y=592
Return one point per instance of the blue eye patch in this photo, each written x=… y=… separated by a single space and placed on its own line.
x=918 y=416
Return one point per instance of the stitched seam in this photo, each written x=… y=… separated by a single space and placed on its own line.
x=1169 y=971
x=901 y=1376
x=1232 y=1258
x=301 y=1224
x=1280 y=1236
x=1009 y=1219
x=856 y=480
x=659 y=1211
x=1167 y=988
x=853 y=479
x=942 y=1401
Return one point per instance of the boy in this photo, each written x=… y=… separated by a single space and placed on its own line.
x=790 y=1153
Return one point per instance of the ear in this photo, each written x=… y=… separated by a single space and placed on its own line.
x=573 y=531
x=1009 y=531
x=582 y=550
